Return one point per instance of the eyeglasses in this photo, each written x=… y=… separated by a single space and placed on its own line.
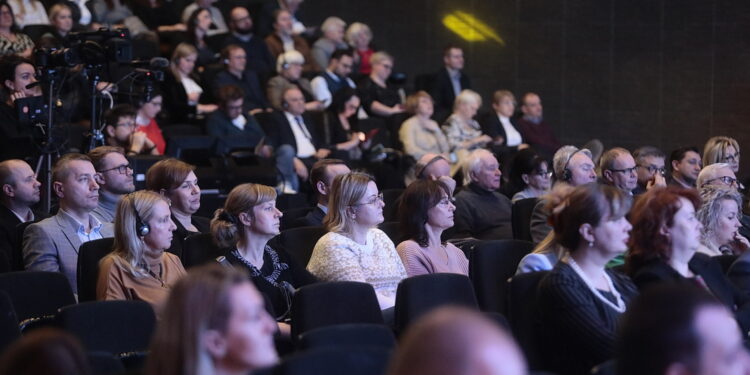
x=129 y=124
x=728 y=180
x=122 y=169
x=373 y=200
x=625 y=171
x=543 y=174
x=732 y=158
x=653 y=169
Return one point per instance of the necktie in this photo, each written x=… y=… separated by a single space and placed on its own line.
x=302 y=127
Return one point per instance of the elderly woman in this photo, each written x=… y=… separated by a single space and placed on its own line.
x=380 y=99
x=138 y=268
x=666 y=237
x=12 y=40
x=530 y=176
x=248 y=220
x=359 y=36
x=463 y=132
x=332 y=39
x=420 y=134
x=425 y=211
x=214 y=323
x=289 y=66
x=354 y=249
x=181 y=88
x=720 y=215
x=176 y=181
x=722 y=149
x=581 y=300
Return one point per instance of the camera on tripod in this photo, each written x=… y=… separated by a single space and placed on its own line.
x=91 y=48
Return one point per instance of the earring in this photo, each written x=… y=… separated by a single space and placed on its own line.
x=591 y=243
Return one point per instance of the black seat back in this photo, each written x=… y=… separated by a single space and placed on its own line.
x=347 y=336
x=522 y=314
x=89 y=255
x=521 y=218
x=9 y=331
x=37 y=294
x=199 y=249
x=418 y=295
x=491 y=264
x=299 y=242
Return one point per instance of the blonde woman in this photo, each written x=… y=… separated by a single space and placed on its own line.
x=463 y=132
x=722 y=149
x=138 y=268
x=720 y=214
x=354 y=249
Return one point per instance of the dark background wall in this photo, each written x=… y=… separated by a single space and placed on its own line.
x=629 y=72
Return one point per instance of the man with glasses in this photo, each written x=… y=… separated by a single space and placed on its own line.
x=618 y=169
x=650 y=163
x=119 y=131
x=258 y=58
x=115 y=179
x=335 y=77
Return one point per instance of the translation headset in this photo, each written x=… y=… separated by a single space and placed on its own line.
x=567 y=175
x=141 y=228
x=284 y=63
x=420 y=170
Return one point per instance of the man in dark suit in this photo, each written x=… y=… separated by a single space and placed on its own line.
x=296 y=140
x=449 y=82
x=232 y=126
x=259 y=59
x=321 y=177
x=52 y=244
x=235 y=73
x=20 y=191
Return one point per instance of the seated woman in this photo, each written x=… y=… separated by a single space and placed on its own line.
x=722 y=149
x=214 y=323
x=138 y=268
x=331 y=40
x=425 y=211
x=720 y=214
x=359 y=36
x=341 y=119
x=176 y=181
x=12 y=40
x=198 y=25
x=16 y=74
x=463 y=132
x=530 y=176
x=666 y=236
x=379 y=99
x=289 y=66
x=581 y=300
x=354 y=249
x=61 y=20
x=29 y=12
x=248 y=220
x=181 y=88
x=420 y=134
x=145 y=121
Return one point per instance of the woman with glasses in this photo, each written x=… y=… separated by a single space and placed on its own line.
x=145 y=120
x=530 y=176
x=380 y=99
x=720 y=215
x=354 y=249
x=176 y=181
x=425 y=211
x=722 y=149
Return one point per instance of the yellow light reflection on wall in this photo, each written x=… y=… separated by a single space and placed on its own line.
x=470 y=28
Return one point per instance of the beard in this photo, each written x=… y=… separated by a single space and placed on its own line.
x=244 y=31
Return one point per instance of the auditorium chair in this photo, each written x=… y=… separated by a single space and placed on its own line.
x=522 y=314
x=392 y=229
x=520 y=217
x=36 y=296
x=103 y=363
x=9 y=331
x=348 y=336
x=418 y=295
x=336 y=361
x=491 y=264
x=391 y=198
x=199 y=249
x=292 y=214
x=299 y=242
x=89 y=255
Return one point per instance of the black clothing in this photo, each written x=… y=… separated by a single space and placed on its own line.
x=203 y=224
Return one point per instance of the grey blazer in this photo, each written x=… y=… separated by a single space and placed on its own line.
x=52 y=245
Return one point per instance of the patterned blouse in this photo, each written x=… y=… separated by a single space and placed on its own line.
x=338 y=258
x=457 y=132
x=22 y=43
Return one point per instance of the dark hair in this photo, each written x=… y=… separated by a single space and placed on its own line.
x=646 y=151
x=229 y=93
x=338 y=53
x=192 y=23
x=318 y=171
x=448 y=49
x=98 y=154
x=417 y=199
x=8 y=65
x=338 y=102
x=652 y=210
x=659 y=329
x=46 y=351
x=276 y=13
x=14 y=27
x=228 y=49
x=121 y=110
x=678 y=154
x=526 y=161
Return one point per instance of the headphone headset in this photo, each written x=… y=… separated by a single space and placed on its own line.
x=284 y=104
x=141 y=228
x=420 y=171
x=567 y=175
x=284 y=63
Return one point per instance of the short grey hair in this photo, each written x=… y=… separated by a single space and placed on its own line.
x=289 y=57
x=355 y=30
x=332 y=22
x=562 y=157
x=473 y=163
x=708 y=172
x=710 y=210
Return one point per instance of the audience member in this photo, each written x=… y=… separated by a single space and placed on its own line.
x=217 y=25
x=580 y=300
x=61 y=20
x=243 y=227
x=138 y=268
x=45 y=351
x=530 y=176
x=425 y=210
x=52 y=244
x=379 y=98
x=500 y=125
x=686 y=165
x=20 y=191
x=283 y=39
x=145 y=121
x=341 y=126
x=481 y=211
x=119 y=131
x=650 y=162
x=176 y=181
x=722 y=149
x=457 y=341
x=28 y=12
x=235 y=72
x=666 y=237
x=716 y=174
x=435 y=167
x=463 y=132
x=354 y=249
x=679 y=329
x=719 y=213
x=547 y=252
x=331 y=40
x=322 y=174
x=537 y=133
x=182 y=89
x=269 y=9
x=449 y=82
x=420 y=134
x=618 y=169
x=334 y=78
x=289 y=66
x=115 y=179
x=232 y=127
x=214 y=322
x=16 y=75
x=257 y=57
x=159 y=15
x=359 y=36
x=198 y=29
x=12 y=40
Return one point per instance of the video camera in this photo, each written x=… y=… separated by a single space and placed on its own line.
x=90 y=48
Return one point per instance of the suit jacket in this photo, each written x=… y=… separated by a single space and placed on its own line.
x=219 y=125
x=277 y=85
x=52 y=245
x=282 y=133
x=9 y=236
x=313 y=218
x=491 y=126
x=442 y=90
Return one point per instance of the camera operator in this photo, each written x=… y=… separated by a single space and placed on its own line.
x=16 y=74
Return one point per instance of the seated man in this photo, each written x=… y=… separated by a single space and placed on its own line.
x=298 y=144
x=481 y=211
x=686 y=165
x=232 y=127
x=572 y=166
x=119 y=131
x=20 y=191
x=258 y=58
x=321 y=177
x=335 y=77
x=236 y=73
x=650 y=162
x=115 y=179
x=533 y=129
x=434 y=167
x=52 y=244
x=619 y=170
x=283 y=39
